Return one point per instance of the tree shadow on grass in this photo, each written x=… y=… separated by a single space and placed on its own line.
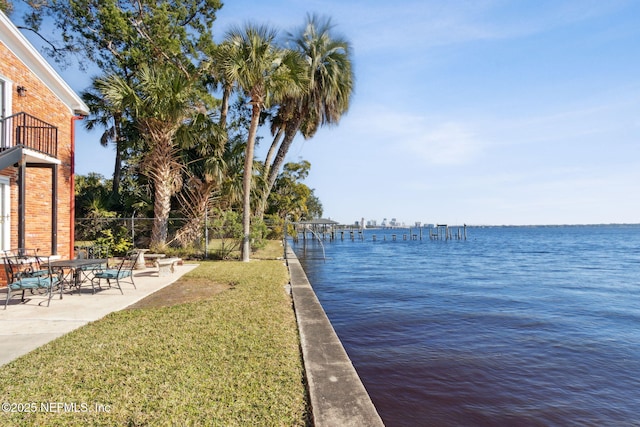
x=183 y=291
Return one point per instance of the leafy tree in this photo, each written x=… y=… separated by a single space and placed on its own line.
x=263 y=72
x=93 y=209
x=116 y=239
x=120 y=35
x=118 y=128
x=6 y=6
x=91 y=195
x=290 y=198
x=314 y=206
x=226 y=227
x=324 y=100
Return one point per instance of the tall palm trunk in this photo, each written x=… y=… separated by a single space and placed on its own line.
x=272 y=149
x=265 y=72
x=117 y=169
x=164 y=170
x=262 y=203
x=161 y=206
x=195 y=198
x=246 y=182
x=289 y=135
x=224 y=109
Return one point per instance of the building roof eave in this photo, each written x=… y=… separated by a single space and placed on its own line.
x=26 y=52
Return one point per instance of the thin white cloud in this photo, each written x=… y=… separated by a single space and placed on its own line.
x=427 y=24
x=440 y=141
x=448 y=143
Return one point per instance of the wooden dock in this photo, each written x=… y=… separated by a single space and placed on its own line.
x=326 y=229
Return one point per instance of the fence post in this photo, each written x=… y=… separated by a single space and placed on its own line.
x=206 y=233
x=133 y=230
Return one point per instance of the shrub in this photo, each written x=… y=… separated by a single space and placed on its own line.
x=118 y=242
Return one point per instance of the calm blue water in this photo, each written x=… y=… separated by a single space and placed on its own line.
x=516 y=326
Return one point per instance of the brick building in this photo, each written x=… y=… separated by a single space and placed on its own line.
x=38 y=114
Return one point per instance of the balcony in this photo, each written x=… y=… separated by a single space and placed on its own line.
x=26 y=131
x=27 y=142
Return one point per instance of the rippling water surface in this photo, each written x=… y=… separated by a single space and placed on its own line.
x=514 y=326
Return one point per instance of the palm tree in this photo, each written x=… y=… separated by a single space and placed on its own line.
x=264 y=73
x=325 y=100
x=221 y=53
x=107 y=116
x=165 y=104
x=204 y=166
x=231 y=196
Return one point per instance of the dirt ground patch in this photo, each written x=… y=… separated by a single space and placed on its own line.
x=182 y=291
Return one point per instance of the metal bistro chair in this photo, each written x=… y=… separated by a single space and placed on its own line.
x=28 y=261
x=91 y=252
x=22 y=279
x=123 y=272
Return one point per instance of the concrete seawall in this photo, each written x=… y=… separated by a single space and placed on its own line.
x=337 y=395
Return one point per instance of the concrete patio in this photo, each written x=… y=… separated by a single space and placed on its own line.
x=26 y=326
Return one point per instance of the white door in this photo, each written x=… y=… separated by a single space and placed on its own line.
x=2 y=102
x=5 y=110
x=5 y=214
x=5 y=188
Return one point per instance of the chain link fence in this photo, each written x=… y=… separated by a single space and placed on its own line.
x=138 y=230
x=214 y=238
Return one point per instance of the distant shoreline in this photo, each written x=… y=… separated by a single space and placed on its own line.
x=406 y=227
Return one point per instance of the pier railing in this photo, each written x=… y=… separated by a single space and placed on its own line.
x=438 y=232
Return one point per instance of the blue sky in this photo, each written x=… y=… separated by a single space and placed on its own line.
x=477 y=112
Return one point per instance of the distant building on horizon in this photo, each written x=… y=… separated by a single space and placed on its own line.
x=394 y=222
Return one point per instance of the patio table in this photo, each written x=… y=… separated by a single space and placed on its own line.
x=76 y=266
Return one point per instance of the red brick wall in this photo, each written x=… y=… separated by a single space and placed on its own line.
x=43 y=104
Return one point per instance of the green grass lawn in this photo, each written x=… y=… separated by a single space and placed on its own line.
x=272 y=250
x=229 y=359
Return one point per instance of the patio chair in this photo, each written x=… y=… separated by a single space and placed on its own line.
x=90 y=252
x=26 y=262
x=21 y=280
x=123 y=272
